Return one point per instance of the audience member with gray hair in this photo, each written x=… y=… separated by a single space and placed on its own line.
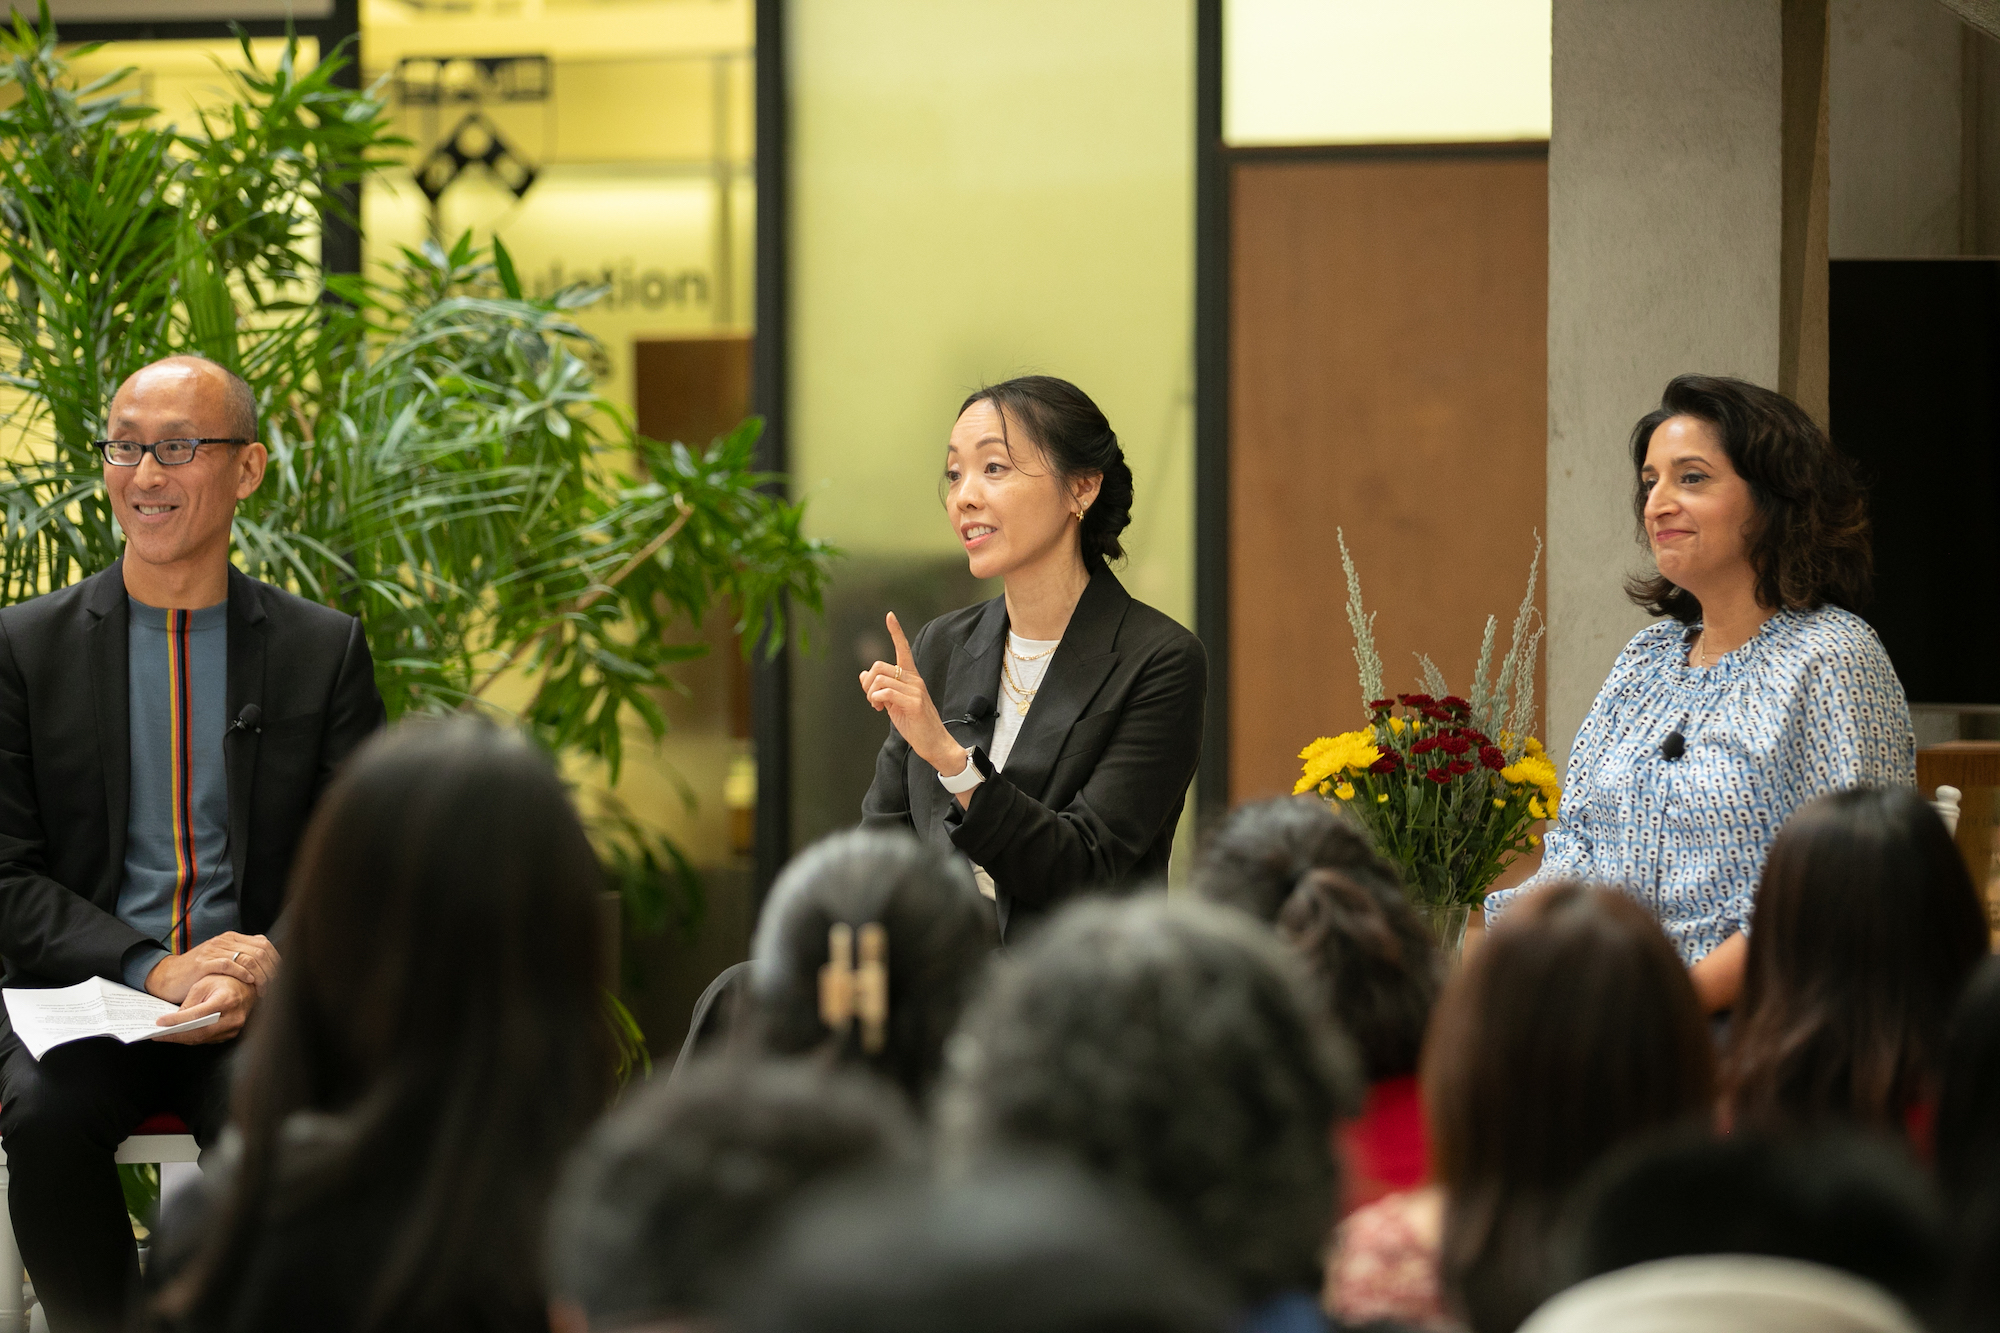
x=1177 y=1049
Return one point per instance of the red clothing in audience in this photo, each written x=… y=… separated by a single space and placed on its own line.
x=1388 y=1148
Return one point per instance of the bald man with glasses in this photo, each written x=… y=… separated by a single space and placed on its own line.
x=166 y=726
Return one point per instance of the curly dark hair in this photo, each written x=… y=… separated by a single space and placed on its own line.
x=1176 y=1048
x=682 y=1187
x=1313 y=875
x=1866 y=929
x=1812 y=543
x=940 y=933
x=1075 y=438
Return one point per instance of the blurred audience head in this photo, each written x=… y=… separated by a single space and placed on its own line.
x=680 y=1188
x=1177 y=1049
x=1865 y=931
x=1968 y=1150
x=1838 y=1199
x=1264 y=849
x=866 y=951
x=442 y=1003
x=1007 y=1247
x=1724 y=1293
x=1571 y=1030
x=1294 y=863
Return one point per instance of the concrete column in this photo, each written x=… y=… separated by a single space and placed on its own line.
x=1673 y=241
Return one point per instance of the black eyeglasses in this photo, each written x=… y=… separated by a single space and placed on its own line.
x=167 y=453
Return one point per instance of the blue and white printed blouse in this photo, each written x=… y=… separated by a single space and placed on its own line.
x=1808 y=706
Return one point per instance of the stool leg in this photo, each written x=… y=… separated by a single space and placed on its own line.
x=12 y=1314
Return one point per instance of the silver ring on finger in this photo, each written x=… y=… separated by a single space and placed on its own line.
x=238 y=954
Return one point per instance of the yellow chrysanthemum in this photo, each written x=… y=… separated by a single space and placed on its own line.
x=1535 y=808
x=1345 y=791
x=1331 y=756
x=1530 y=771
x=1534 y=750
x=1382 y=798
x=1396 y=725
x=1534 y=841
x=1499 y=802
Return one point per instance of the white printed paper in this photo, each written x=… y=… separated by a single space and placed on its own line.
x=93 y=1008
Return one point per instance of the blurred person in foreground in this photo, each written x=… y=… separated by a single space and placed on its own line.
x=1828 y=1231
x=166 y=727
x=1572 y=1030
x=1866 y=931
x=866 y=951
x=1760 y=689
x=1178 y=1050
x=682 y=1187
x=434 y=1047
x=1314 y=877
x=1968 y=1152
x=1020 y=1247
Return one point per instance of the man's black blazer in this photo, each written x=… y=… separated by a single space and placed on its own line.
x=1096 y=780
x=66 y=772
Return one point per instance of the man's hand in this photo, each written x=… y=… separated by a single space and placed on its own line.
x=211 y=994
x=250 y=959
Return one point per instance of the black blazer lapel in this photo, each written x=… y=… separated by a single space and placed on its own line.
x=110 y=689
x=1079 y=667
x=975 y=671
x=246 y=687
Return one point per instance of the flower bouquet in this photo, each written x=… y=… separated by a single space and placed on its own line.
x=1449 y=788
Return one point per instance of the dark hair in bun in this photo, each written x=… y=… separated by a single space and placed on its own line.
x=1073 y=435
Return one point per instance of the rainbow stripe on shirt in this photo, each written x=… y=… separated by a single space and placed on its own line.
x=181 y=750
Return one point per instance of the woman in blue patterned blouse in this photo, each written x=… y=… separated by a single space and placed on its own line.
x=1760 y=691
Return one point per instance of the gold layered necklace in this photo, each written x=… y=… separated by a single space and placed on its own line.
x=1021 y=695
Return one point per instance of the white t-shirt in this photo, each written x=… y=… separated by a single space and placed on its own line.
x=1011 y=710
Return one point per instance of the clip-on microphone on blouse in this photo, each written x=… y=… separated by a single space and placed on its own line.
x=1675 y=745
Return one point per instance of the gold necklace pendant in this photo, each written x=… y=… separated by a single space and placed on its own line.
x=1023 y=696
x=1022 y=657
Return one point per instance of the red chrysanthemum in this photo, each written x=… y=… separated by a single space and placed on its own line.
x=1425 y=746
x=1381 y=705
x=1418 y=700
x=1388 y=763
x=1439 y=776
x=1454 y=745
x=1460 y=767
x=1436 y=714
x=1490 y=756
x=1456 y=704
x=1476 y=737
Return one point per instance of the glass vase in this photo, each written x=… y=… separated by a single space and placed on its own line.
x=1447 y=926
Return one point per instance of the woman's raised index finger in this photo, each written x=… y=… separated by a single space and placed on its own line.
x=904 y=657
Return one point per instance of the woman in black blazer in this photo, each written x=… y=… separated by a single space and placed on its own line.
x=1067 y=716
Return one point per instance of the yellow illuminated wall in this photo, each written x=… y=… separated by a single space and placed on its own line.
x=643 y=148
x=1385 y=71
x=983 y=188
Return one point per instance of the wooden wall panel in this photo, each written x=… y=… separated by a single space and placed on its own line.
x=1389 y=378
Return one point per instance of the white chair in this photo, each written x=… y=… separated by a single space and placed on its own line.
x=160 y=1139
